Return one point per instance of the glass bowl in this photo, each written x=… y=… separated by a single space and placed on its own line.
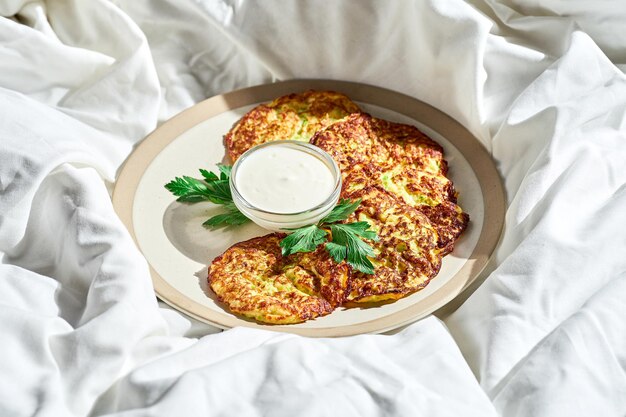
x=284 y=221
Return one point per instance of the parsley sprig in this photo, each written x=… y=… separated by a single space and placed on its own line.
x=343 y=241
x=212 y=188
x=346 y=239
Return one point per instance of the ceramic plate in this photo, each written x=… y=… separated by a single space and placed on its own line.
x=179 y=249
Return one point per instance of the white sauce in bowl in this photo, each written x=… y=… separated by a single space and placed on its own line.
x=283 y=179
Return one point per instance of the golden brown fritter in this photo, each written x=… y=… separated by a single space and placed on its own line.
x=407 y=256
x=361 y=141
x=253 y=279
x=449 y=221
x=294 y=117
x=431 y=194
x=414 y=186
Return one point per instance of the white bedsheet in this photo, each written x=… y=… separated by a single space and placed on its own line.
x=81 y=82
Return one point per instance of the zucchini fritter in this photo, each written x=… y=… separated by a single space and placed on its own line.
x=294 y=117
x=431 y=194
x=361 y=141
x=407 y=256
x=254 y=280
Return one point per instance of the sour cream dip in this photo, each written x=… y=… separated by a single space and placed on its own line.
x=285 y=181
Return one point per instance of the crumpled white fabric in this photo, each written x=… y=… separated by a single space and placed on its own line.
x=539 y=84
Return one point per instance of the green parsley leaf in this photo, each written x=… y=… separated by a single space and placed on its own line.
x=361 y=229
x=304 y=239
x=346 y=243
x=341 y=211
x=189 y=190
x=336 y=251
x=233 y=217
x=214 y=189
x=224 y=171
x=220 y=191
x=356 y=251
x=209 y=176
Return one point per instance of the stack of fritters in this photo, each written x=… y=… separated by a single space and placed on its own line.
x=400 y=176
x=400 y=160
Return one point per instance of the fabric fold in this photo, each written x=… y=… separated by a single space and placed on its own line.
x=81 y=83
